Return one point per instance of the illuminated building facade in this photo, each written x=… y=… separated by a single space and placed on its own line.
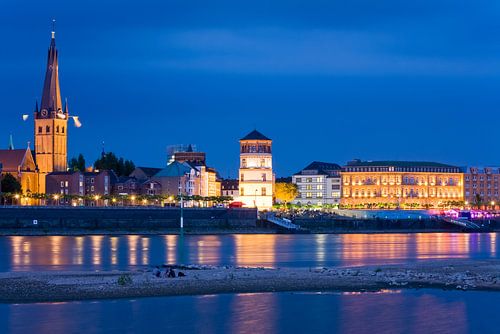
x=319 y=183
x=481 y=186
x=256 y=178
x=20 y=164
x=51 y=122
x=403 y=184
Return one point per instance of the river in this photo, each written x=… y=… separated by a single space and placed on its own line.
x=98 y=252
x=393 y=311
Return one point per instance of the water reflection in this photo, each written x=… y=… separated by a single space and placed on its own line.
x=410 y=311
x=99 y=252
x=255 y=249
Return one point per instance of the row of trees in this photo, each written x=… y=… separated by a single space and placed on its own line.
x=107 y=161
x=118 y=199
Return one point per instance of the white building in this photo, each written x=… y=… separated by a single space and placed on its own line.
x=319 y=183
x=256 y=178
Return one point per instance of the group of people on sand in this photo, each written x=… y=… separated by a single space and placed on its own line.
x=169 y=273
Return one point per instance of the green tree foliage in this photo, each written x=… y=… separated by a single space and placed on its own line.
x=286 y=192
x=10 y=184
x=110 y=161
x=77 y=164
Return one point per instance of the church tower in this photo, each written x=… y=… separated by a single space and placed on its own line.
x=51 y=122
x=256 y=179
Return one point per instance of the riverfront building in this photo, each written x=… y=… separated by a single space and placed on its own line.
x=481 y=186
x=229 y=187
x=20 y=163
x=400 y=184
x=319 y=183
x=256 y=178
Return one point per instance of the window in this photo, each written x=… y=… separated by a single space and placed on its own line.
x=298 y=180
x=319 y=195
x=92 y=180
x=263 y=191
x=57 y=129
x=242 y=192
x=262 y=163
x=62 y=184
x=242 y=177
x=244 y=163
x=335 y=186
x=39 y=129
x=92 y=188
x=47 y=129
x=264 y=177
x=62 y=129
x=66 y=183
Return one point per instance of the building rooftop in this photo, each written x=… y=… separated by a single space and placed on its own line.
x=396 y=163
x=149 y=171
x=321 y=168
x=255 y=135
x=175 y=169
x=12 y=159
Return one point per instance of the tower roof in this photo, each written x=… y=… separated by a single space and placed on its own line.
x=51 y=94
x=255 y=135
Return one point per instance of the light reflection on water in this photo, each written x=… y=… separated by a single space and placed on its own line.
x=408 y=311
x=99 y=252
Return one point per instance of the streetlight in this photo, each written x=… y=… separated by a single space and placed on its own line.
x=16 y=196
x=56 y=197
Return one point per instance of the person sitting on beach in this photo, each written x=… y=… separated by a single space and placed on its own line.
x=181 y=274
x=156 y=271
x=171 y=273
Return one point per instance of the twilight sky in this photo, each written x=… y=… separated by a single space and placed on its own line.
x=326 y=80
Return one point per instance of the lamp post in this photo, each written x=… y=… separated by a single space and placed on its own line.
x=182 y=204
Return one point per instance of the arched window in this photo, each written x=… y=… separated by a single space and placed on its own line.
x=47 y=129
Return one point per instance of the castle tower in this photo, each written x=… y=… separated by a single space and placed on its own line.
x=256 y=176
x=51 y=122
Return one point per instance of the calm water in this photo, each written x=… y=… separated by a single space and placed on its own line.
x=124 y=252
x=422 y=311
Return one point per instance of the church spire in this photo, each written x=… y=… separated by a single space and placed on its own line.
x=11 y=143
x=51 y=95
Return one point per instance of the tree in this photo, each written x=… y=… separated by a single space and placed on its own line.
x=10 y=184
x=109 y=161
x=286 y=192
x=478 y=200
x=77 y=164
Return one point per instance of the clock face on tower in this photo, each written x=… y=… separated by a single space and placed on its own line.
x=44 y=112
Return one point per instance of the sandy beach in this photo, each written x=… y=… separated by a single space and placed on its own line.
x=27 y=287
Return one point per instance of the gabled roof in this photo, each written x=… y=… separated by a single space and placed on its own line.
x=255 y=135
x=320 y=167
x=175 y=169
x=149 y=171
x=12 y=159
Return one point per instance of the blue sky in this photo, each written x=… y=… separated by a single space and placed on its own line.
x=326 y=80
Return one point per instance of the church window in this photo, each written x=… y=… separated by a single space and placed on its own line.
x=39 y=129
x=62 y=129
x=47 y=129
x=57 y=129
